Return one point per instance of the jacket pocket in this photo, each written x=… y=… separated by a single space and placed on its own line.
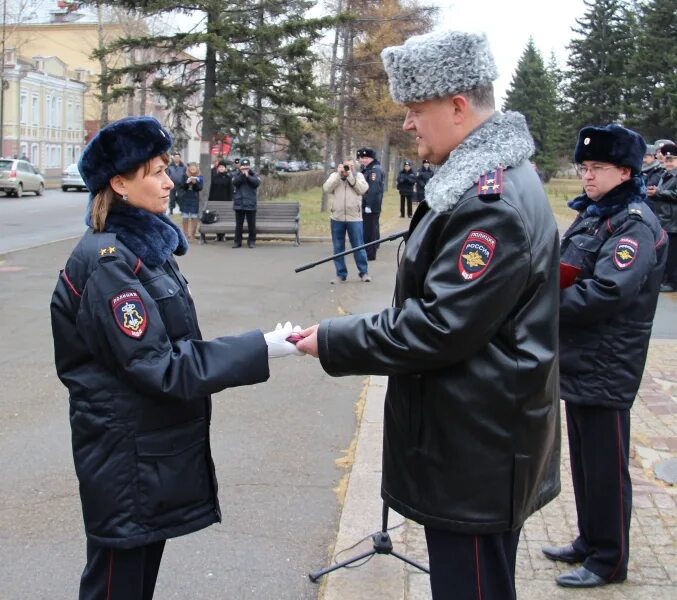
x=173 y=470
x=172 y=305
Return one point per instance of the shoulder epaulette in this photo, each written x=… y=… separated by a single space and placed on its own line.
x=490 y=184
x=635 y=211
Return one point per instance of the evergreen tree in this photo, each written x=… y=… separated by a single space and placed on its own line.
x=653 y=72
x=597 y=87
x=242 y=43
x=533 y=93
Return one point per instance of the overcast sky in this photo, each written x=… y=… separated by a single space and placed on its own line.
x=508 y=25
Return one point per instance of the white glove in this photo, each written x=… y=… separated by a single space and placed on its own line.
x=277 y=341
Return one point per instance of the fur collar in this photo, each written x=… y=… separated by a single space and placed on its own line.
x=502 y=140
x=632 y=190
x=153 y=238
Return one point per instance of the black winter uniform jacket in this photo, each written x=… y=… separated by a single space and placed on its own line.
x=245 y=190
x=616 y=265
x=129 y=350
x=405 y=182
x=373 y=174
x=665 y=201
x=471 y=429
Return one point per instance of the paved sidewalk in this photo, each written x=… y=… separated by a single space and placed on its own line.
x=653 y=534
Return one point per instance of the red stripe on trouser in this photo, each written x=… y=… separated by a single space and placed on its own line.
x=110 y=575
x=477 y=568
x=621 y=508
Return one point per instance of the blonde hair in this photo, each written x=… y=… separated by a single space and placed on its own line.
x=195 y=166
x=107 y=197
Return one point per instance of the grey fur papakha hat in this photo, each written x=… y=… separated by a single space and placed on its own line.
x=438 y=64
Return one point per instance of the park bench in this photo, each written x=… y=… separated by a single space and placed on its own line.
x=272 y=219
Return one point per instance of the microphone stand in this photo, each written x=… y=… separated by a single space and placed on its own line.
x=394 y=236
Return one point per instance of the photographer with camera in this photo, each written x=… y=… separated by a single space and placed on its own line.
x=245 y=182
x=345 y=188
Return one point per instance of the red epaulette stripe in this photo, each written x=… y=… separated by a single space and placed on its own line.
x=608 y=226
x=137 y=268
x=660 y=241
x=70 y=285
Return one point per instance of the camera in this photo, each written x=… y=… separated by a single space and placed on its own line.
x=346 y=168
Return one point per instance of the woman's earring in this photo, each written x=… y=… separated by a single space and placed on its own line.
x=125 y=198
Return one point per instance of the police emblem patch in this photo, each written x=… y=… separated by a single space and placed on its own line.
x=130 y=314
x=476 y=254
x=625 y=253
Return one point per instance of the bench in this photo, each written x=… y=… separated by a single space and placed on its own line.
x=272 y=219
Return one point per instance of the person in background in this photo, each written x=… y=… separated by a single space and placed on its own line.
x=128 y=347
x=372 y=199
x=406 y=179
x=612 y=261
x=664 y=197
x=345 y=188
x=652 y=170
x=177 y=172
x=221 y=187
x=471 y=420
x=190 y=200
x=246 y=183
x=422 y=178
x=659 y=146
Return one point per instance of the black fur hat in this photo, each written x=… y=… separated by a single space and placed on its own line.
x=120 y=147
x=613 y=144
x=362 y=152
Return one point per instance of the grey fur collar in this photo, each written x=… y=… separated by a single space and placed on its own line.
x=503 y=139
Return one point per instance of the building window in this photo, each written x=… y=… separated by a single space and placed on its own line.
x=56 y=107
x=35 y=110
x=76 y=156
x=69 y=155
x=48 y=112
x=23 y=107
x=23 y=151
x=35 y=155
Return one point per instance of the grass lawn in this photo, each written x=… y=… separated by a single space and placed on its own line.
x=314 y=223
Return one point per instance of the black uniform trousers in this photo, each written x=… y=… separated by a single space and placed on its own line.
x=670 y=275
x=371 y=232
x=114 y=574
x=599 y=443
x=472 y=567
x=405 y=199
x=251 y=226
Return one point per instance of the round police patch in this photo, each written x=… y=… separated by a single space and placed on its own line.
x=130 y=313
x=625 y=253
x=476 y=254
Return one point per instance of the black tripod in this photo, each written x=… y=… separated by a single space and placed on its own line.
x=382 y=545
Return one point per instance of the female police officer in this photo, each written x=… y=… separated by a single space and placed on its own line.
x=129 y=350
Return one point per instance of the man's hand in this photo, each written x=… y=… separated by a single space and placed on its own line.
x=308 y=344
x=277 y=341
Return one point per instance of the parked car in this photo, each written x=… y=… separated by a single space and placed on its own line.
x=71 y=179
x=18 y=176
x=282 y=165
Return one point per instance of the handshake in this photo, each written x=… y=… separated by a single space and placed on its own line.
x=283 y=339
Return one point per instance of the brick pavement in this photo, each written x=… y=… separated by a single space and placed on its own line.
x=653 y=534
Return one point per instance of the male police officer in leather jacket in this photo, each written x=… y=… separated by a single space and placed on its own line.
x=471 y=427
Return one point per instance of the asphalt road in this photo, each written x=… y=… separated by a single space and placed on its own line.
x=275 y=445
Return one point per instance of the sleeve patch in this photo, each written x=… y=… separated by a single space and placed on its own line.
x=625 y=253
x=476 y=254
x=130 y=314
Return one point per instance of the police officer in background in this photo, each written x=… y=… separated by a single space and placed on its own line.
x=372 y=199
x=664 y=196
x=652 y=170
x=612 y=261
x=422 y=178
x=471 y=422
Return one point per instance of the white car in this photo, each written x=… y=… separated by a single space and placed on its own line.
x=71 y=179
x=18 y=176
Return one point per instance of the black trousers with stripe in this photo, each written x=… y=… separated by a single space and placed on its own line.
x=472 y=567
x=599 y=442
x=112 y=574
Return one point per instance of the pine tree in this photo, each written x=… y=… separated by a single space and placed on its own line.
x=653 y=71
x=597 y=87
x=533 y=93
x=242 y=43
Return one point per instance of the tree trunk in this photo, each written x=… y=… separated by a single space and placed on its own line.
x=104 y=70
x=208 y=127
x=386 y=159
